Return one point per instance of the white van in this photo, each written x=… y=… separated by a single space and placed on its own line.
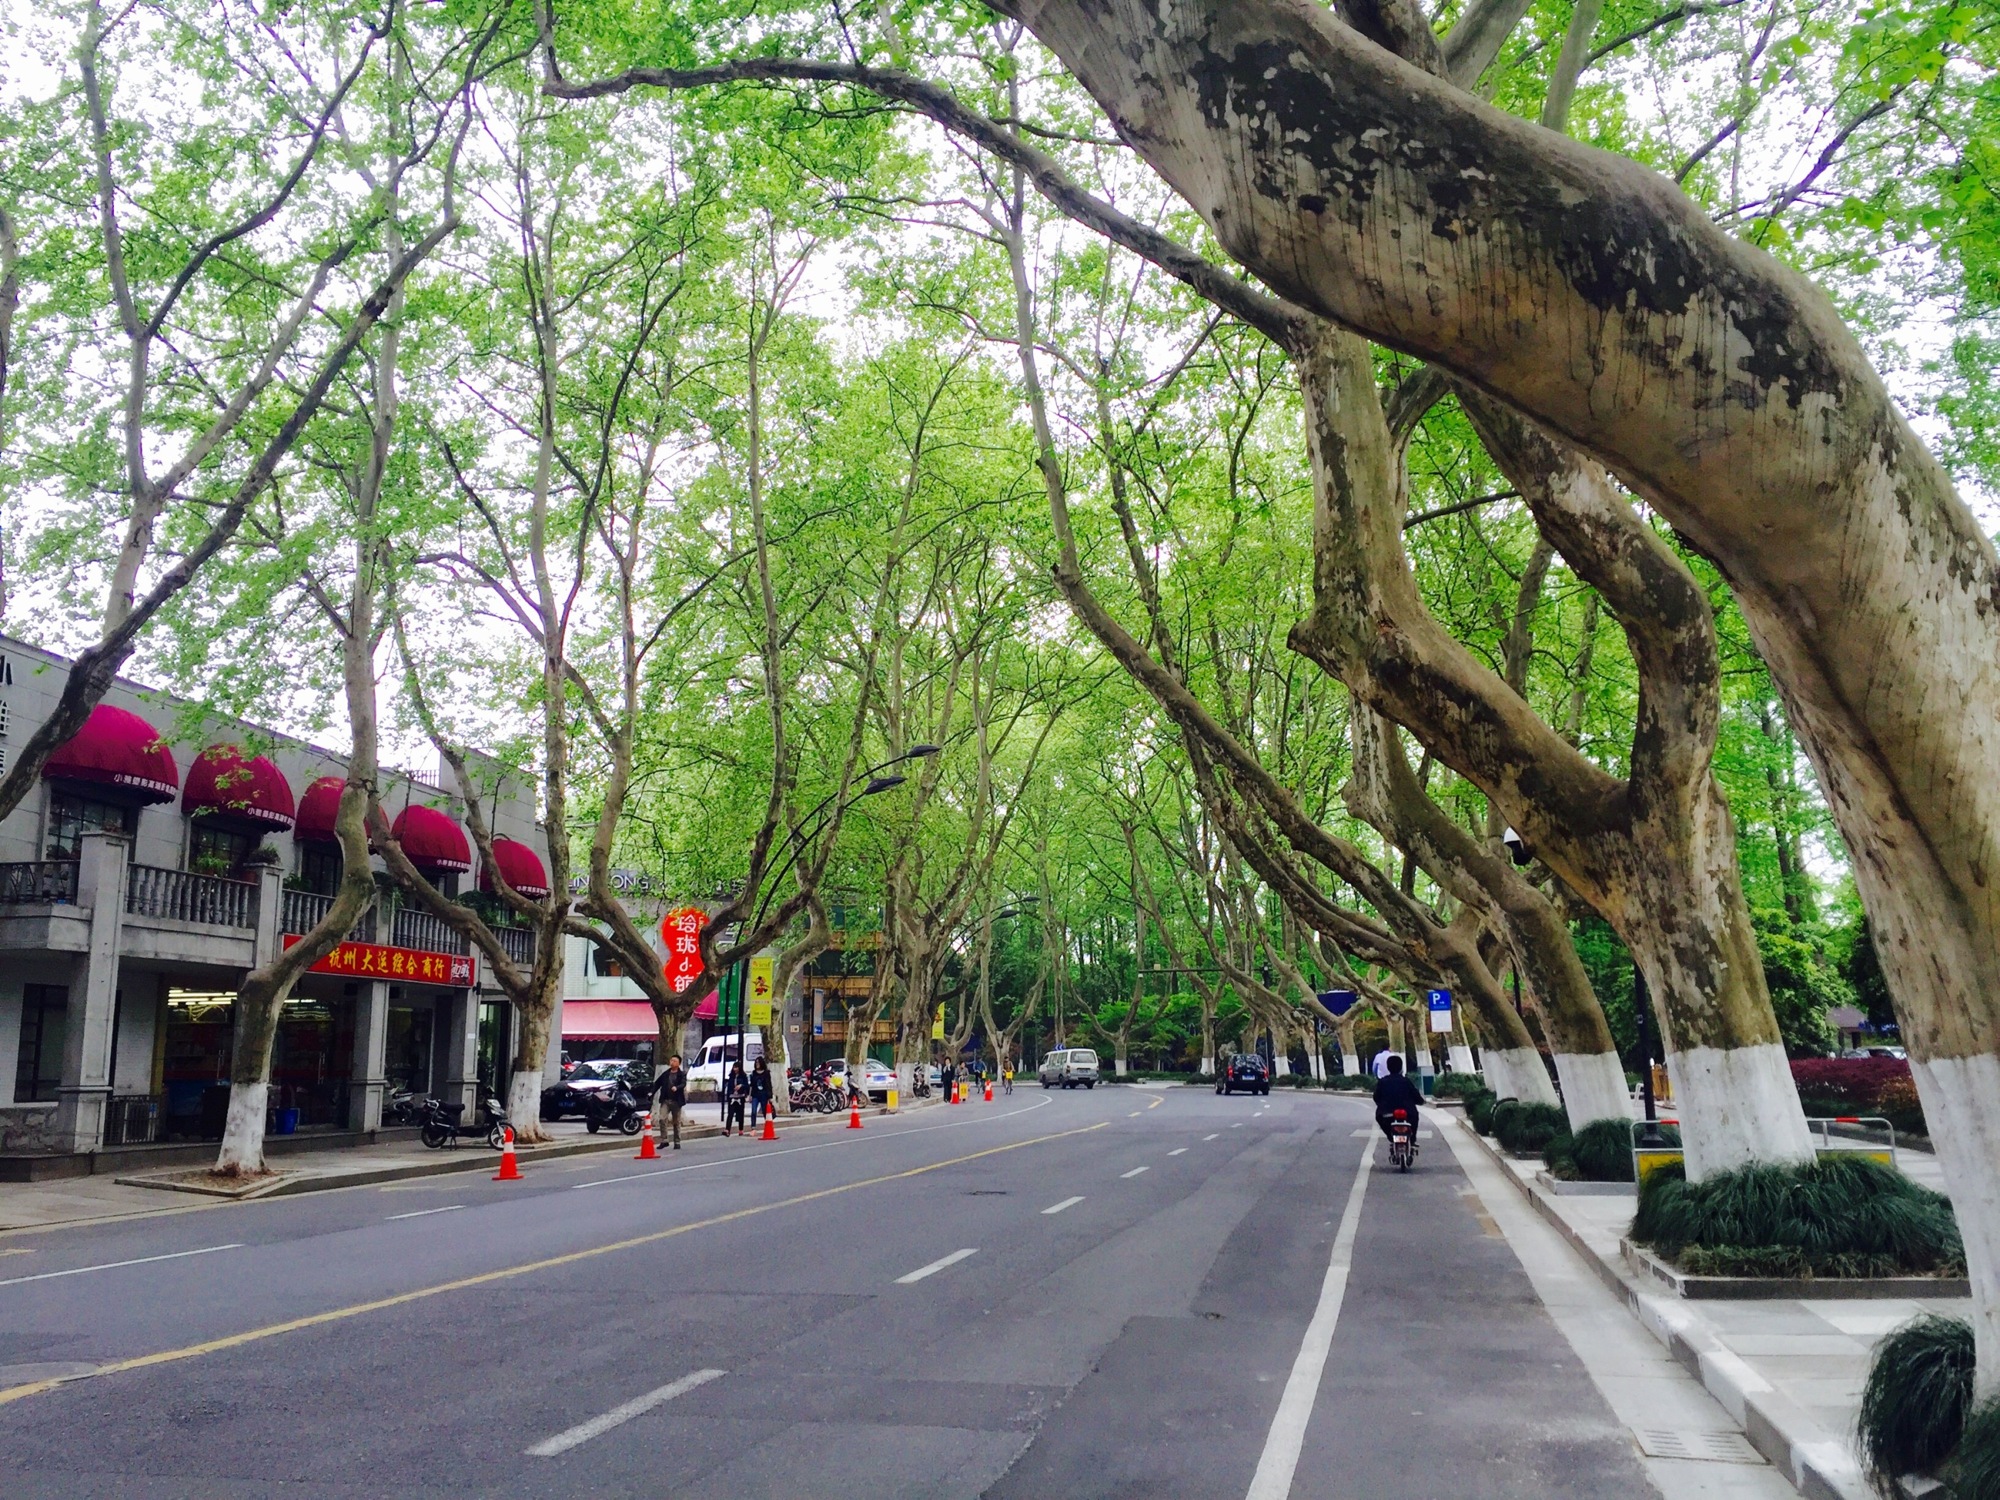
x=718 y=1056
x=1068 y=1068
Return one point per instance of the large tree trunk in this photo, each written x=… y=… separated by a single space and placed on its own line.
x=1721 y=386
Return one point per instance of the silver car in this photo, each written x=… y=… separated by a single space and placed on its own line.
x=1069 y=1067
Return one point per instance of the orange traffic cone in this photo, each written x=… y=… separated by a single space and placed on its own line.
x=510 y=1170
x=854 y=1115
x=989 y=1091
x=770 y=1125
x=647 y=1150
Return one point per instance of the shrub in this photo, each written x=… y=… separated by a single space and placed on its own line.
x=1456 y=1085
x=1975 y=1467
x=1524 y=1129
x=1840 y=1214
x=1860 y=1086
x=1600 y=1152
x=1913 y=1406
x=1479 y=1109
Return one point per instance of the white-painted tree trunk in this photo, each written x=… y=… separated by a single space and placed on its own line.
x=1593 y=1087
x=1208 y=1065
x=1738 y=1105
x=1281 y=1065
x=1350 y=1062
x=906 y=1080
x=1122 y=1068
x=243 y=1130
x=1961 y=1098
x=1461 y=1059
x=524 y=1104
x=1525 y=1077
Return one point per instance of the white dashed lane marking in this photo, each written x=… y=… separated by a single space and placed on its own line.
x=1134 y=1172
x=935 y=1266
x=1056 y=1208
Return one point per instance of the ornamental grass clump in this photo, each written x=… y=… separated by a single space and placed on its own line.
x=1456 y=1085
x=1479 y=1107
x=1524 y=1129
x=1913 y=1406
x=1843 y=1215
x=1600 y=1152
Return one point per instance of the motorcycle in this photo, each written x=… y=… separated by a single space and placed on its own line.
x=441 y=1125
x=615 y=1108
x=1402 y=1141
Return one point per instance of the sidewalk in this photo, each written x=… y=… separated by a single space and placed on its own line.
x=28 y=1207
x=1788 y=1369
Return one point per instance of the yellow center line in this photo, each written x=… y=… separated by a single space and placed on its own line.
x=486 y=1278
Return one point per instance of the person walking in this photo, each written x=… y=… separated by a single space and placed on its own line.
x=670 y=1097
x=760 y=1091
x=735 y=1092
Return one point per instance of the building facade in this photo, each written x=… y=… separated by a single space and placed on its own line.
x=165 y=853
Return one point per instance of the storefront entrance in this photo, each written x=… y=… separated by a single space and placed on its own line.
x=311 y=1063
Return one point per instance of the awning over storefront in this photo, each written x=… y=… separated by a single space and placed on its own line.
x=317 y=809
x=609 y=1020
x=223 y=781
x=520 y=866
x=431 y=840
x=119 y=749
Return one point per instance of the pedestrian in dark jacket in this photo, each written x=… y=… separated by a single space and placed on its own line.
x=760 y=1090
x=670 y=1097
x=735 y=1094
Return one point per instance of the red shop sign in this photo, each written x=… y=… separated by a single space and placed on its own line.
x=680 y=941
x=373 y=961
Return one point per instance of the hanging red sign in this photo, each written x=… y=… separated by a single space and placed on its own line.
x=680 y=941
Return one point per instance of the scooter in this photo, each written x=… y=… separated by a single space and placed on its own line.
x=441 y=1126
x=616 y=1108
x=1402 y=1141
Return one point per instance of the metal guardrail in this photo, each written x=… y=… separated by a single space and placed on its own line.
x=39 y=882
x=304 y=910
x=419 y=929
x=183 y=896
x=518 y=943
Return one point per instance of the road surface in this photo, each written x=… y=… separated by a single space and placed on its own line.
x=1121 y=1292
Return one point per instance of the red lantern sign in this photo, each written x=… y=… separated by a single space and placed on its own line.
x=680 y=940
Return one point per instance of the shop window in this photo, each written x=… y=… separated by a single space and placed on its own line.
x=320 y=867
x=217 y=851
x=38 y=1067
x=72 y=816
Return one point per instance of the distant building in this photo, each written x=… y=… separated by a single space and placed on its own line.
x=135 y=895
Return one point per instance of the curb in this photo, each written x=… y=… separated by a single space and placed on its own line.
x=1817 y=1463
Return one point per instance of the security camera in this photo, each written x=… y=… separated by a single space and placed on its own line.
x=1517 y=848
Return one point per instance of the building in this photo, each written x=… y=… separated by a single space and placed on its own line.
x=166 y=852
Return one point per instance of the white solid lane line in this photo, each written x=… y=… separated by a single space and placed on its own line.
x=418 y=1213
x=583 y=1432
x=144 y=1260
x=1182 y=1151
x=1133 y=1173
x=1280 y=1461
x=1214 y=1137
x=935 y=1266
x=1056 y=1208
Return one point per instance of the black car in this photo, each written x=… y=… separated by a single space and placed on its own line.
x=1245 y=1071
x=566 y=1098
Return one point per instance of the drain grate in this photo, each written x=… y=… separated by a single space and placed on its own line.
x=1710 y=1447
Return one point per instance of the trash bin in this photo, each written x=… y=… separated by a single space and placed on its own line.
x=288 y=1121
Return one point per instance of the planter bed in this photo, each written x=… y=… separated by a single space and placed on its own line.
x=1746 y=1288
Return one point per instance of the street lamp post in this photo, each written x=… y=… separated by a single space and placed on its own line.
x=796 y=840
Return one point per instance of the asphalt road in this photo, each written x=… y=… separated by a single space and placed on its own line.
x=1123 y=1292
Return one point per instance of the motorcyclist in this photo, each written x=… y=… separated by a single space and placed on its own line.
x=1396 y=1092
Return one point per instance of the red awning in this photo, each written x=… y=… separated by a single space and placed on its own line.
x=520 y=866
x=609 y=1020
x=222 y=781
x=116 y=748
x=317 y=809
x=431 y=840
x=709 y=1009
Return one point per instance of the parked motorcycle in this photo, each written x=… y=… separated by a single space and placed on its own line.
x=616 y=1108
x=441 y=1123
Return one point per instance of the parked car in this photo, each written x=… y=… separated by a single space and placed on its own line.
x=875 y=1078
x=560 y=1100
x=1245 y=1071
x=1068 y=1067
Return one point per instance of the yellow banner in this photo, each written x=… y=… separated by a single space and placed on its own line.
x=937 y=1026
x=760 y=990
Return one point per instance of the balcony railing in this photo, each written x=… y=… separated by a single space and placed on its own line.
x=40 y=882
x=518 y=943
x=419 y=929
x=183 y=896
x=304 y=910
